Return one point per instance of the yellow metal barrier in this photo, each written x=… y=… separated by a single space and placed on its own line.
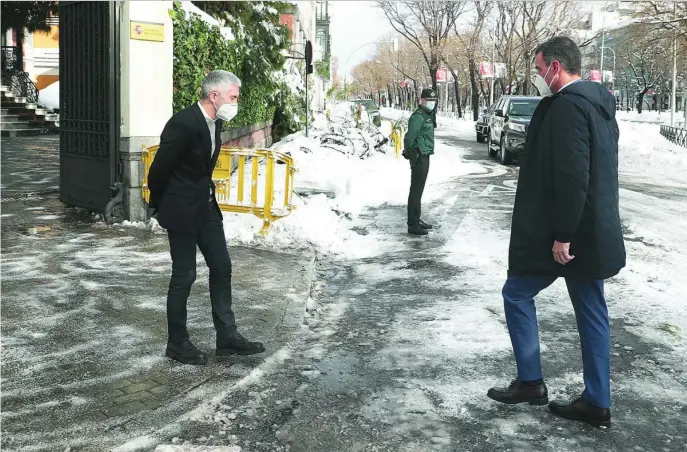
x=265 y=208
x=397 y=138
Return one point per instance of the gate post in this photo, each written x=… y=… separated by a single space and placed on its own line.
x=147 y=49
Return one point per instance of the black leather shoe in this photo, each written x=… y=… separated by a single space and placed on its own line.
x=236 y=344
x=424 y=225
x=518 y=392
x=581 y=410
x=186 y=353
x=417 y=230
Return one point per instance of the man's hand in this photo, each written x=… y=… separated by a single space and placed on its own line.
x=561 y=252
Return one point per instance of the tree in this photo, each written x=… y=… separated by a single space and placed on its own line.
x=29 y=16
x=407 y=65
x=645 y=56
x=426 y=24
x=670 y=17
x=472 y=44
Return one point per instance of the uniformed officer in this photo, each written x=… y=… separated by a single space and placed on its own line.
x=419 y=145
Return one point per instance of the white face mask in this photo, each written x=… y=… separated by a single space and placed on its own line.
x=227 y=112
x=543 y=87
x=431 y=104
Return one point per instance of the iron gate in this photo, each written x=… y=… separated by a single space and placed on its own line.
x=89 y=104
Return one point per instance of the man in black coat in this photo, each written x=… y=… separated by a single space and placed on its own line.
x=183 y=196
x=566 y=223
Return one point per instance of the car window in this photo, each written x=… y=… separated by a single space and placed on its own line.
x=522 y=107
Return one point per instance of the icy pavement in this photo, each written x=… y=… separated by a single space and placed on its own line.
x=403 y=338
x=84 y=326
x=404 y=342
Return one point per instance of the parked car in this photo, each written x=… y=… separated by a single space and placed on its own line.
x=482 y=125
x=508 y=127
x=372 y=110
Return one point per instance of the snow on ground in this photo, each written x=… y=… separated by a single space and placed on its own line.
x=347 y=187
x=655 y=117
x=644 y=152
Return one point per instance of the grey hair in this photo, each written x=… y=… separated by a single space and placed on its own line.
x=217 y=79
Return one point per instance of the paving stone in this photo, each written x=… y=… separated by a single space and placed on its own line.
x=140 y=387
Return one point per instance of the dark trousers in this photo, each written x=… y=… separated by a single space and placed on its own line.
x=593 y=326
x=211 y=242
x=419 y=168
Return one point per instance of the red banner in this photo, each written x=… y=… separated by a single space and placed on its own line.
x=486 y=69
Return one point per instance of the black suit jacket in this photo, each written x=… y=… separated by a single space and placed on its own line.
x=180 y=177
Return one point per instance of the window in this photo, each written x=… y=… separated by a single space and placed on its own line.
x=522 y=107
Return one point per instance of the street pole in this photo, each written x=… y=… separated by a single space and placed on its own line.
x=603 y=42
x=674 y=87
x=493 y=72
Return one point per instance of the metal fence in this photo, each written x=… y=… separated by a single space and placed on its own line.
x=677 y=135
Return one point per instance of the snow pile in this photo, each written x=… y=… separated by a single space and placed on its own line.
x=49 y=97
x=334 y=188
x=644 y=152
x=654 y=117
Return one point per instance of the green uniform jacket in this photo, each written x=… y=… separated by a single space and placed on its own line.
x=420 y=134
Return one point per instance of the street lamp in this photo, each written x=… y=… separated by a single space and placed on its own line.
x=602 y=65
x=395 y=48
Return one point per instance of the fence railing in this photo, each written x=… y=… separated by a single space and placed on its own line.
x=677 y=135
x=263 y=204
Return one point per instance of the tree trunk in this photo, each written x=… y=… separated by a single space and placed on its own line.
x=433 y=68
x=640 y=99
x=475 y=90
x=456 y=88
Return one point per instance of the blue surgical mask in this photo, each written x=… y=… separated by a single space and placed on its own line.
x=431 y=104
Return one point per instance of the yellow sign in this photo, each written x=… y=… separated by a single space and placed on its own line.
x=145 y=31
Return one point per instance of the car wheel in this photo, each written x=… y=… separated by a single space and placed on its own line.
x=504 y=155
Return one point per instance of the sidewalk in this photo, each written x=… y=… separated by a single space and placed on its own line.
x=83 y=320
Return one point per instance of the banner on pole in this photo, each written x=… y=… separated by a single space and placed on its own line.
x=442 y=75
x=486 y=69
x=608 y=76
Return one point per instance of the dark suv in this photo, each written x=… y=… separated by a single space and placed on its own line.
x=508 y=126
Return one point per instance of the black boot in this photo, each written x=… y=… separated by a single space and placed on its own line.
x=424 y=225
x=186 y=353
x=519 y=392
x=236 y=344
x=581 y=410
x=417 y=230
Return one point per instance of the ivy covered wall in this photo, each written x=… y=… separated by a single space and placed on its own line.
x=255 y=55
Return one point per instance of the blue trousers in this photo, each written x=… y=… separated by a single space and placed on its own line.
x=588 y=300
